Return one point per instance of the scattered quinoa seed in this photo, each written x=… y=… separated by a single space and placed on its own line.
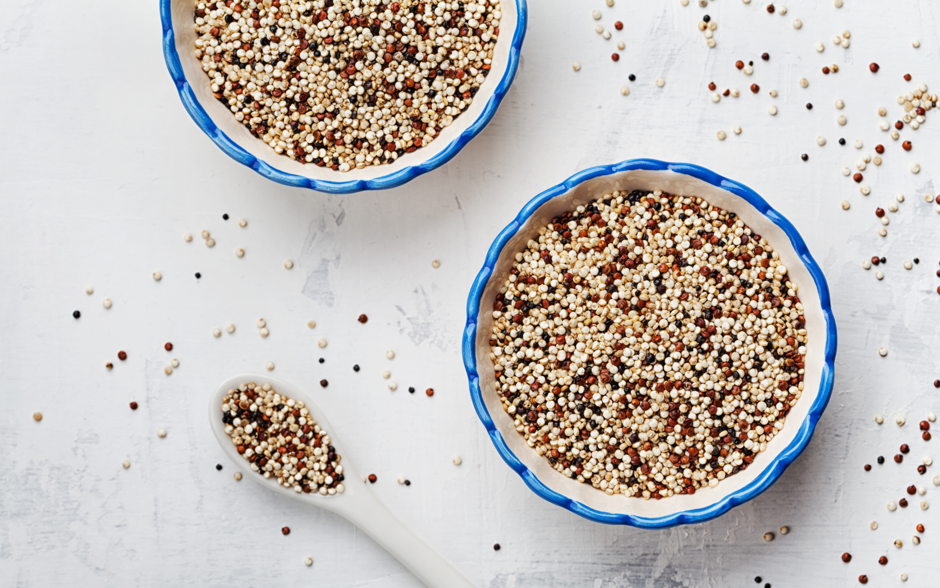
x=161 y=433
x=429 y=392
x=285 y=530
x=237 y=476
x=37 y=416
x=133 y=406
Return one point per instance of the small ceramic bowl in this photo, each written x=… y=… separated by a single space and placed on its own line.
x=236 y=141
x=710 y=502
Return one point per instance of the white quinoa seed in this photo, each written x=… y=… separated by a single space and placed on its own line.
x=161 y=433
x=230 y=328
x=599 y=29
x=435 y=264
x=915 y=43
x=928 y=461
x=784 y=530
x=924 y=505
x=879 y=419
x=840 y=104
x=157 y=276
x=621 y=414
x=781 y=10
x=576 y=66
x=768 y=537
x=312 y=324
x=37 y=416
x=882 y=351
x=205 y=234
x=392 y=386
x=625 y=90
x=126 y=464
x=390 y=354
x=903 y=575
x=876 y=160
x=882 y=111
x=722 y=135
x=846 y=34
x=892 y=506
x=288 y=264
x=239 y=252
x=804 y=83
x=858 y=143
x=269 y=366
x=610 y=2
x=915 y=168
x=820 y=47
x=175 y=362
x=621 y=45
x=736 y=130
x=898 y=543
x=797 y=24
x=748 y=69
x=883 y=232
x=457 y=460
x=210 y=242
x=606 y=35
x=386 y=374
x=716 y=97
x=820 y=140
x=846 y=205
x=264 y=332
x=908 y=265
x=242 y=223
x=305 y=469
x=773 y=93
x=936 y=480
x=237 y=476
x=596 y=14
x=845 y=43
x=374 y=94
x=735 y=92
x=931 y=417
x=772 y=110
x=89 y=290
x=168 y=370
x=899 y=197
x=874 y=525
x=865 y=189
x=308 y=561
x=841 y=119
x=106 y=303
x=838 y=3
x=879 y=275
x=260 y=322
x=321 y=343
x=187 y=237
x=900 y=420
x=846 y=171
x=216 y=332
x=660 y=82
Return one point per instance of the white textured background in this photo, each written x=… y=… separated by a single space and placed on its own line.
x=102 y=171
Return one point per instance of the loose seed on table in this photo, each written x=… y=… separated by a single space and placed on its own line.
x=429 y=392
x=106 y=303
x=892 y=506
x=392 y=386
x=846 y=557
x=435 y=264
x=216 y=332
x=269 y=366
x=772 y=110
x=660 y=82
x=198 y=275
x=873 y=526
x=285 y=530
x=625 y=90
x=902 y=503
x=308 y=561
x=239 y=252
x=109 y=365
x=126 y=464
x=324 y=383
x=373 y=478
x=736 y=130
x=882 y=351
x=898 y=543
x=915 y=168
x=386 y=374
x=133 y=406
x=920 y=528
x=883 y=560
x=321 y=343
x=288 y=264
x=242 y=222
x=157 y=276
x=576 y=66
x=496 y=547
x=874 y=68
x=880 y=459
x=390 y=354
x=168 y=370
x=457 y=461
x=722 y=135
x=879 y=419
x=784 y=530
x=210 y=242
x=186 y=237
x=915 y=43
x=312 y=324
x=161 y=433
x=863 y=579
x=230 y=328
x=237 y=476
x=924 y=505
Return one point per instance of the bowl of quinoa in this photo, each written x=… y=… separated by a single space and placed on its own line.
x=342 y=95
x=649 y=344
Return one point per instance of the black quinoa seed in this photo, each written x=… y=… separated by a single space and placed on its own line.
x=218 y=467
x=631 y=77
x=356 y=368
x=804 y=157
x=758 y=580
x=411 y=390
x=884 y=260
x=76 y=314
x=407 y=482
x=322 y=360
x=496 y=547
x=225 y=217
x=916 y=260
x=881 y=459
x=198 y=275
x=706 y=18
x=809 y=106
x=841 y=141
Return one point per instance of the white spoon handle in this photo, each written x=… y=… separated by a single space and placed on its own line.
x=369 y=515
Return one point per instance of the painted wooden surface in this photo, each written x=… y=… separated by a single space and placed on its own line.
x=101 y=173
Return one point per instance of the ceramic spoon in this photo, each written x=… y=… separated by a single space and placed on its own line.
x=356 y=504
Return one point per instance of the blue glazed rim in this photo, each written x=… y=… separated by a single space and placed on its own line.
x=772 y=471
x=236 y=152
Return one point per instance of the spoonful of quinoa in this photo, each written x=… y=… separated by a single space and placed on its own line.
x=284 y=438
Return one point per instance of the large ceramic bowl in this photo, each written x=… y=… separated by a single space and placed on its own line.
x=235 y=140
x=707 y=503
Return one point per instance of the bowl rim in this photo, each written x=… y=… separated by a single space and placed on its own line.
x=773 y=470
x=384 y=182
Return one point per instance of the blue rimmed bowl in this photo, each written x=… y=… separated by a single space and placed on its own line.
x=218 y=122
x=708 y=503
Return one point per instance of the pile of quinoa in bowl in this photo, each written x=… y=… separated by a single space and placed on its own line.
x=342 y=95
x=649 y=330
